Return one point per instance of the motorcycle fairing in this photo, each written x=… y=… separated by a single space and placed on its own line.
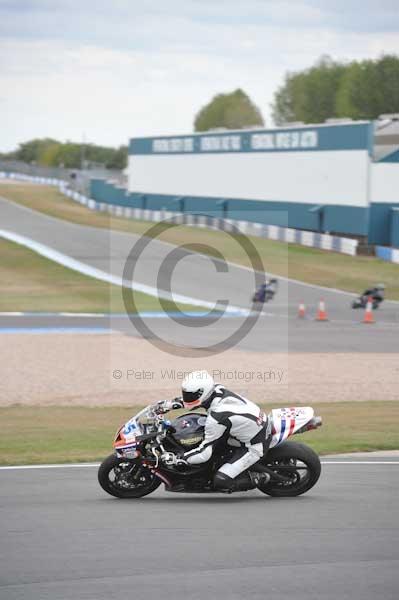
x=286 y=421
x=126 y=435
x=189 y=429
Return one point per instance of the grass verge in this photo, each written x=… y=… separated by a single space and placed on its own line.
x=34 y=435
x=30 y=282
x=310 y=265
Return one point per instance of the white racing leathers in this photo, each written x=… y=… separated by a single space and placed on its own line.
x=235 y=417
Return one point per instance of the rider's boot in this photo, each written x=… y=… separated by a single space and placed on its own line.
x=259 y=478
x=243 y=482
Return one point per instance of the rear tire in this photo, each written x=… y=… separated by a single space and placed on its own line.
x=126 y=479
x=303 y=476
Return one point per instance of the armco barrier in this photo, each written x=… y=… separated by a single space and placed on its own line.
x=271 y=232
x=389 y=254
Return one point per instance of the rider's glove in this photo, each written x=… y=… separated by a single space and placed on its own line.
x=164 y=406
x=177 y=403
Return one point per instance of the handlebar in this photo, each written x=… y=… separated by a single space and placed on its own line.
x=163 y=427
x=147 y=436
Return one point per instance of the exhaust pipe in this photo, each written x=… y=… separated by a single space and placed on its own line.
x=314 y=423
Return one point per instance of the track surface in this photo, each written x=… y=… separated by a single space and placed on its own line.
x=63 y=538
x=278 y=330
x=269 y=334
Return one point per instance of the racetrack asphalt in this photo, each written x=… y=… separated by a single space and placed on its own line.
x=268 y=335
x=63 y=538
x=277 y=330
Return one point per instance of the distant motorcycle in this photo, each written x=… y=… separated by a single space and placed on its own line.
x=135 y=468
x=361 y=302
x=376 y=294
x=266 y=291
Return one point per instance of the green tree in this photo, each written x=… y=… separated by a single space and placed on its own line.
x=32 y=150
x=70 y=155
x=48 y=155
x=360 y=90
x=232 y=111
x=119 y=159
x=51 y=153
x=369 y=88
x=309 y=95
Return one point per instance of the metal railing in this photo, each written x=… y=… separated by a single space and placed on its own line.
x=77 y=179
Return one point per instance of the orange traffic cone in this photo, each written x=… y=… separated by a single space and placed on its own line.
x=368 y=313
x=322 y=313
x=301 y=310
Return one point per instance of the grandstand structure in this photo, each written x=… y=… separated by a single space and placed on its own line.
x=339 y=178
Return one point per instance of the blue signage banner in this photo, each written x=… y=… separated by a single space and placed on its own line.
x=353 y=136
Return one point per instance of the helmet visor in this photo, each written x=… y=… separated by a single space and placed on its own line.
x=190 y=397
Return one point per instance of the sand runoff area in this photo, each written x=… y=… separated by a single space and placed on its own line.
x=100 y=370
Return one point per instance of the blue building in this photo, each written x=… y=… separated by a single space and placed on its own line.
x=334 y=177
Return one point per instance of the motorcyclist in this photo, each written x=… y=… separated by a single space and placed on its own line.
x=229 y=416
x=377 y=293
x=268 y=288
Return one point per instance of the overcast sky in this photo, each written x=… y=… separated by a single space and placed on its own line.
x=113 y=69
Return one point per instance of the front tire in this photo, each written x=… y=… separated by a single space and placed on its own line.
x=126 y=478
x=296 y=461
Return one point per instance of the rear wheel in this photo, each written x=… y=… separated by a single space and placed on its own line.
x=126 y=479
x=297 y=463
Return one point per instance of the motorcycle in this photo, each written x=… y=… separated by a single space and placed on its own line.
x=265 y=293
x=361 y=302
x=135 y=469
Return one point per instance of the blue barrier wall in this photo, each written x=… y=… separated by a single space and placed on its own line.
x=350 y=220
x=395 y=227
x=384 y=225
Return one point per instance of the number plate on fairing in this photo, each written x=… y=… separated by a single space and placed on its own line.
x=131 y=429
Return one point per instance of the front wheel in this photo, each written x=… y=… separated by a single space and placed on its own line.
x=126 y=478
x=296 y=462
